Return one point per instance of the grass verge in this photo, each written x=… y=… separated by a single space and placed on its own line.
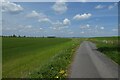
x=109 y=46
x=57 y=67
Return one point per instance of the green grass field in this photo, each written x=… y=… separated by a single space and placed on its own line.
x=47 y=57
x=109 y=46
x=32 y=57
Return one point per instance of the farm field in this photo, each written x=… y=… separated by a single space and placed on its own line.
x=109 y=46
x=37 y=57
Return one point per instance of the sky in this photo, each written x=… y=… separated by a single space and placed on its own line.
x=61 y=19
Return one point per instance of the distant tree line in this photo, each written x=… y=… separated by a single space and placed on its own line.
x=27 y=36
x=13 y=36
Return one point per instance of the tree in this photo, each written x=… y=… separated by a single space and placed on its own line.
x=19 y=36
x=14 y=35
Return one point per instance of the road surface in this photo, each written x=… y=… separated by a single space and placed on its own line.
x=89 y=63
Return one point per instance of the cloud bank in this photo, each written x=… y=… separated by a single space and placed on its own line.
x=82 y=16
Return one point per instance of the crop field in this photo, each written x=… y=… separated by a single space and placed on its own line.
x=37 y=57
x=109 y=46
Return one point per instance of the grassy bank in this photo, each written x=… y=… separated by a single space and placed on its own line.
x=57 y=67
x=37 y=57
x=109 y=46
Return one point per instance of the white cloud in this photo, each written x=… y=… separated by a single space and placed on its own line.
x=88 y=25
x=11 y=7
x=40 y=16
x=66 y=21
x=35 y=14
x=57 y=25
x=82 y=0
x=40 y=28
x=99 y=7
x=60 y=7
x=60 y=25
x=85 y=26
x=32 y=14
x=82 y=16
x=112 y=6
x=102 y=28
x=109 y=7
x=44 y=20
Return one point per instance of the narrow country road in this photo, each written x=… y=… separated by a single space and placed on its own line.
x=89 y=63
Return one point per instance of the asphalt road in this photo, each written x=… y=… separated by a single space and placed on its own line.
x=90 y=63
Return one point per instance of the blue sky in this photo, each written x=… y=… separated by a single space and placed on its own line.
x=61 y=19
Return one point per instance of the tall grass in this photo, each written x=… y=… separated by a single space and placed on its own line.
x=109 y=46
